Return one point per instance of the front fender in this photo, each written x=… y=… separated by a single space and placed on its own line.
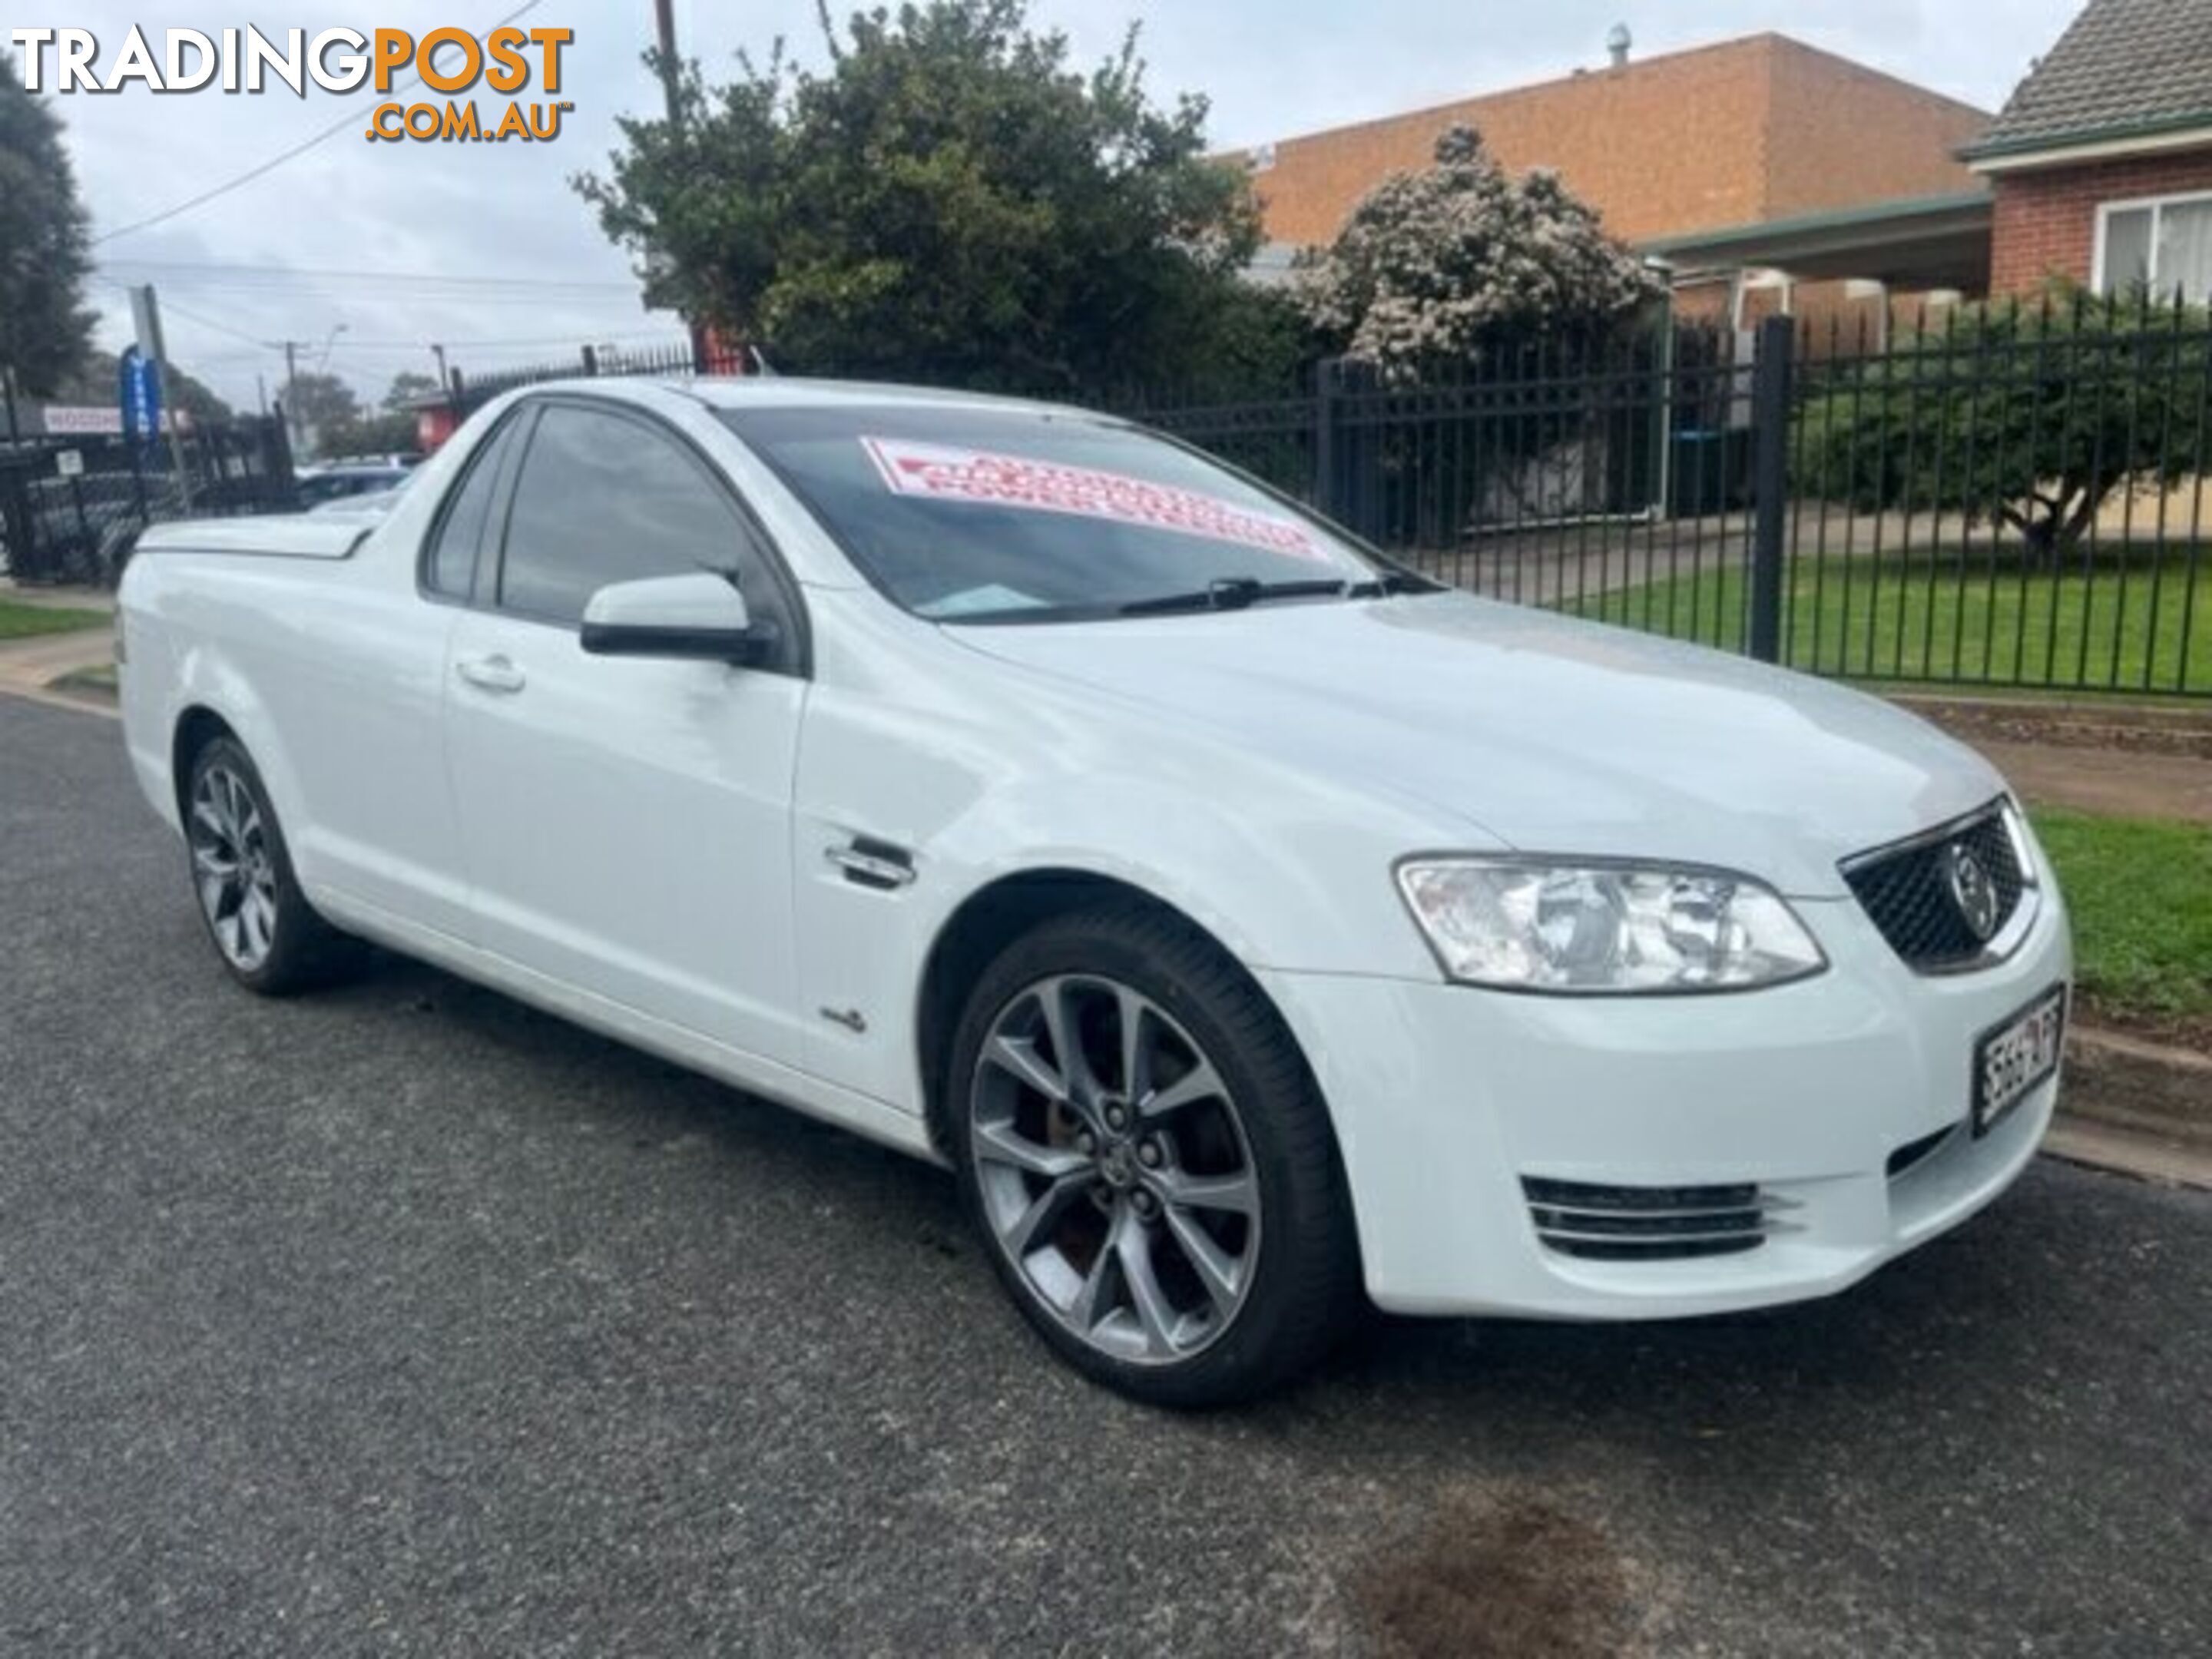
x=1286 y=871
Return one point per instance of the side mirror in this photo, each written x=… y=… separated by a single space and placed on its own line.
x=700 y=616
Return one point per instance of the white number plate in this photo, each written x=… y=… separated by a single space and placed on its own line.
x=2012 y=1060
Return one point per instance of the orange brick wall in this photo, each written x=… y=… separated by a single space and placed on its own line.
x=1698 y=140
x=2045 y=223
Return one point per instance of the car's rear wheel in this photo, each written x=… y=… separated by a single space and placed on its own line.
x=1150 y=1161
x=268 y=935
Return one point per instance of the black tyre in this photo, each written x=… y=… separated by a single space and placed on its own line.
x=1149 y=1160
x=261 y=925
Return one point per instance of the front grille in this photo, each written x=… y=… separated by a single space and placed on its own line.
x=1647 y=1224
x=1913 y=893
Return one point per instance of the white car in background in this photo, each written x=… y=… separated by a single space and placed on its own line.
x=1251 y=925
x=332 y=485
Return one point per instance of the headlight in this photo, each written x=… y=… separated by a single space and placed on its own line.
x=1595 y=928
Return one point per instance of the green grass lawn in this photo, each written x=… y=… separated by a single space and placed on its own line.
x=2141 y=892
x=2125 y=626
x=20 y=622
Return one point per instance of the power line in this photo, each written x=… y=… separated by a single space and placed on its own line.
x=355 y=297
x=572 y=337
x=246 y=269
x=186 y=312
x=398 y=296
x=283 y=156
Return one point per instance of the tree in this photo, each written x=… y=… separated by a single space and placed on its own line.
x=324 y=410
x=1439 y=265
x=342 y=427
x=2030 y=416
x=45 y=247
x=94 y=381
x=949 y=201
x=407 y=389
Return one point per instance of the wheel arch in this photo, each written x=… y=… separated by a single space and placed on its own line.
x=197 y=726
x=983 y=923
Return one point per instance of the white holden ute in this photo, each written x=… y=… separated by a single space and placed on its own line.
x=1255 y=929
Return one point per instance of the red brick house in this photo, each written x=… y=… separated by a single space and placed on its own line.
x=2100 y=164
x=1766 y=173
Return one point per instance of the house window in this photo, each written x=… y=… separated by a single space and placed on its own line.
x=2166 y=244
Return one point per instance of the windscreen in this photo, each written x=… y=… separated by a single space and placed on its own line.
x=1001 y=516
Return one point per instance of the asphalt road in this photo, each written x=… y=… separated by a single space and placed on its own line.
x=405 y=1320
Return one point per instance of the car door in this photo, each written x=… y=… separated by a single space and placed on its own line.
x=627 y=821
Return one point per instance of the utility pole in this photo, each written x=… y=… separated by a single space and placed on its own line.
x=439 y=352
x=292 y=392
x=664 y=17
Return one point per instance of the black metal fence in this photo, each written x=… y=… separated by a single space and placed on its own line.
x=2003 y=498
x=71 y=507
x=2006 y=499
x=469 y=392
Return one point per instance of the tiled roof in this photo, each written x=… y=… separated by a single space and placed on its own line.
x=2124 y=67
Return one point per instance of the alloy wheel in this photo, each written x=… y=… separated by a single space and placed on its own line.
x=231 y=867
x=1114 y=1169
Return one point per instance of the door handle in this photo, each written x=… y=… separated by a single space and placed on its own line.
x=493 y=673
x=868 y=862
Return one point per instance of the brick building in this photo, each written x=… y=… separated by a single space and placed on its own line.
x=1735 y=162
x=2100 y=166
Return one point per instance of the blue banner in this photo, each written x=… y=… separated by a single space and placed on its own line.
x=139 y=388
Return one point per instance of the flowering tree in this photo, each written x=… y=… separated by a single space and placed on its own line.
x=1440 y=263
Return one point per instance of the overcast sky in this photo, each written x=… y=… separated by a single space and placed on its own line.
x=521 y=271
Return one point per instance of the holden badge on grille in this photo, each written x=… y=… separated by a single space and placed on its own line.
x=1975 y=894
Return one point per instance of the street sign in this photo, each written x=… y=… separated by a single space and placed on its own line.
x=78 y=420
x=139 y=390
x=69 y=462
x=146 y=323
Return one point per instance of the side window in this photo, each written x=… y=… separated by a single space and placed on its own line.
x=603 y=498
x=451 y=568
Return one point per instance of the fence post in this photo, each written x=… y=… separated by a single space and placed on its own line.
x=1324 y=449
x=1770 y=481
x=15 y=517
x=133 y=448
x=276 y=436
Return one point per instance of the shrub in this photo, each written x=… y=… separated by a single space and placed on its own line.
x=2028 y=416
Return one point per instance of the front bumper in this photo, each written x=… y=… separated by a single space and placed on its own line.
x=1447 y=1098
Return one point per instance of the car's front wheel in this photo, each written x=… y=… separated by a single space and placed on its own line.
x=267 y=933
x=1147 y=1155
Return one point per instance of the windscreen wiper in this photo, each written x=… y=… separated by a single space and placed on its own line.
x=1390 y=583
x=1231 y=594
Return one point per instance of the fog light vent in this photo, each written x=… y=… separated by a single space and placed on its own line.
x=1647 y=1223
x=1916 y=1151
